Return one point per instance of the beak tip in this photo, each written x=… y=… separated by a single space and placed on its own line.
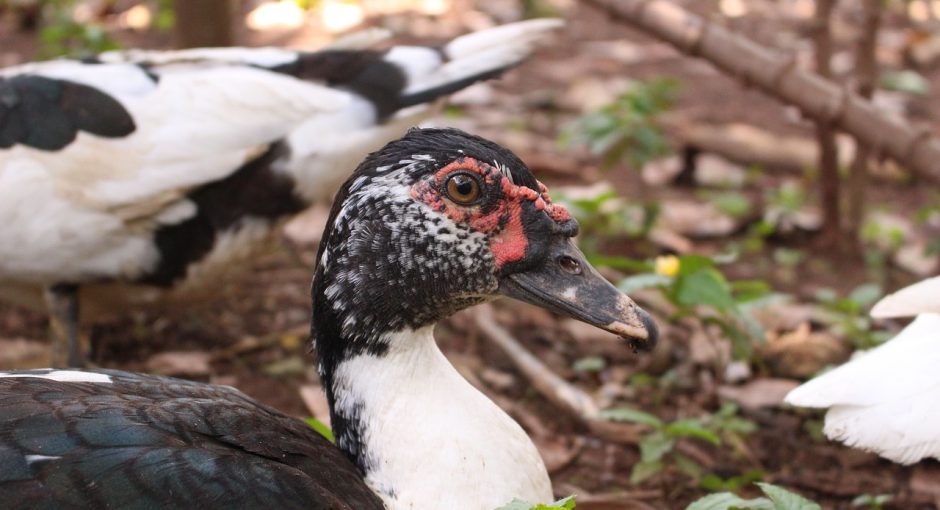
x=652 y=332
x=641 y=331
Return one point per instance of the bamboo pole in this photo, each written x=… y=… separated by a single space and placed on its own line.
x=828 y=164
x=778 y=75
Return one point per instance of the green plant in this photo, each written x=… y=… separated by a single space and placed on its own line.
x=657 y=448
x=589 y=364
x=606 y=215
x=626 y=129
x=164 y=18
x=658 y=388
x=63 y=35
x=888 y=238
x=732 y=203
x=847 y=314
x=321 y=427
x=694 y=282
x=777 y=498
x=518 y=504
x=715 y=483
x=872 y=501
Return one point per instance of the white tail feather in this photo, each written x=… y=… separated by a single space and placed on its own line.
x=481 y=52
x=885 y=401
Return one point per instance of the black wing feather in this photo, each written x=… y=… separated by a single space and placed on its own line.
x=155 y=442
x=47 y=113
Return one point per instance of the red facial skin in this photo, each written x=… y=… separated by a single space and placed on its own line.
x=502 y=224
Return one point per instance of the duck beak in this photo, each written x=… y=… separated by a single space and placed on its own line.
x=567 y=284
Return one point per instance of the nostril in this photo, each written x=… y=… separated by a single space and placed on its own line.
x=569 y=264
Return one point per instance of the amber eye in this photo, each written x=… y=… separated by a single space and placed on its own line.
x=463 y=189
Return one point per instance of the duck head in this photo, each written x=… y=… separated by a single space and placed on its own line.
x=440 y=220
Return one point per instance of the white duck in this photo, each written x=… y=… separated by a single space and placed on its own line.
x=159 y=169
x=885 y=401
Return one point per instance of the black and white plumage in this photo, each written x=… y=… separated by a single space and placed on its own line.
x=429 y=225
x=885 y=400
x=159 y=168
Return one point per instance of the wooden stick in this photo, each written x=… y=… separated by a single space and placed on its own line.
x=559 y=391
x=866 y=73
x=750 y=145
x=778 y=75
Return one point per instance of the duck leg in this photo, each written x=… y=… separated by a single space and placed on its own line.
x=62 y=302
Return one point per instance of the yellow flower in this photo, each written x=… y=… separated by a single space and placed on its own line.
x=667 y=265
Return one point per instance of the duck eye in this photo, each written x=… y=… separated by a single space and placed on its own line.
x=463 y=189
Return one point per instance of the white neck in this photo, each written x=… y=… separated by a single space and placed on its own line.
x=432 y=440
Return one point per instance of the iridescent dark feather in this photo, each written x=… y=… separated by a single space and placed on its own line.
x=153 y=442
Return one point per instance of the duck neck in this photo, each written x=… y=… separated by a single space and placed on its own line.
x=422 y=435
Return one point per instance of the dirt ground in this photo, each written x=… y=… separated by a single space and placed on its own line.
x=253 y=329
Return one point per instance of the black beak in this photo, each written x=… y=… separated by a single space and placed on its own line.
x=567 y=284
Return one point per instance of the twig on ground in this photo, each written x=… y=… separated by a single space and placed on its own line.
x=560 y=392
x=563 y=394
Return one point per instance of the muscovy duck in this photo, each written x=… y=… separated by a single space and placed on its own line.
x=430 y=224
x=885 y=401
x=159 y=169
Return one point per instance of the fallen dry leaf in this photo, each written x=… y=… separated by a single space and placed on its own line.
x=759 y=393
x=695 y=219
x=20 y=353
x=802 y=353
x=717 y=171
x=558 y=452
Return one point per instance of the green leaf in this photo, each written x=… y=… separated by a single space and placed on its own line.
x=749 y=290
x=905 y=81
x=622 y=263
x=728 y=501
x=715 y=483
x=322 y=428
x=631 y=415
x=655 y=446
x=518 y=504
x=732 y=203
x=872 y=501
x=567 y=503
x=643 y=281
x=786 y=500
x=645 y=470
x=689 y=264
x=590 y=364
x=688 y=466
x=712 y=482
x=866 y=294
x=691 y=427
x=706 y=286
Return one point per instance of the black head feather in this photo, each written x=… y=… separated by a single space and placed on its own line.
x=395 y=255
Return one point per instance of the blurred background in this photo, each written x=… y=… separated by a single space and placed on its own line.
x=704 y=198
